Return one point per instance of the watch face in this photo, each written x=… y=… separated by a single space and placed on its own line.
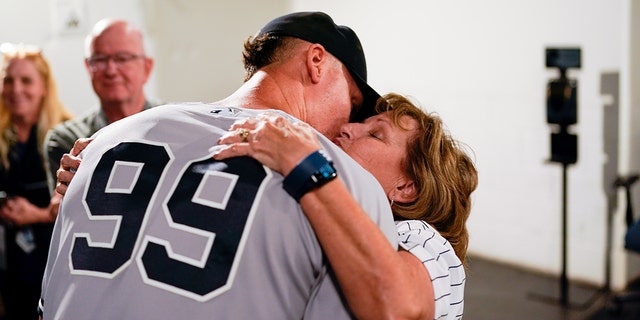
x=325 y=172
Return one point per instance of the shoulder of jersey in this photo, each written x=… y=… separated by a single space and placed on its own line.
x=226 y=111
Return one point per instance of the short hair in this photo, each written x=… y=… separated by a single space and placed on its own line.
x=262 y=50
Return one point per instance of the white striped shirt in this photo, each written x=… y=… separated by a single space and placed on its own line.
x=445 y=268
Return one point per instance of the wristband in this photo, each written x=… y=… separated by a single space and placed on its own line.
x=312 y=172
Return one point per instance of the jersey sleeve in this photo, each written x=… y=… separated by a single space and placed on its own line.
x=438 y=257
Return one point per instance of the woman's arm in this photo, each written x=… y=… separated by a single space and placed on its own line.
x=378 y=281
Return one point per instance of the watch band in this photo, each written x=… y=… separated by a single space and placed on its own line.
x=312 y=172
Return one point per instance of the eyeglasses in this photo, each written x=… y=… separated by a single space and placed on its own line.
x=101 y=61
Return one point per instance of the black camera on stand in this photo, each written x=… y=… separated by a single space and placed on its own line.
x=562 y=111
x=562 y=105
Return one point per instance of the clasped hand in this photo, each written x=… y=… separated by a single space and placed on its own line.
x=271 y=139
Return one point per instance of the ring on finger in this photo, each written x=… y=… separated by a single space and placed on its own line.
x=244 y=134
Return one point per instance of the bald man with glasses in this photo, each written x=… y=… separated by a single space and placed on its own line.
x=100 y=62
x=119 y=68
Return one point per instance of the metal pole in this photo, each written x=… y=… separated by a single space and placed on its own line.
x=564 y=283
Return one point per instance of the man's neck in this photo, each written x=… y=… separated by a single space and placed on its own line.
x=116 y=110
x=264 y=91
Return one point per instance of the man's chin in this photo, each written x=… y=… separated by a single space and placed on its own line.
x=112 y=98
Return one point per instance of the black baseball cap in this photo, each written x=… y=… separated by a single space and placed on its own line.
x=340 y=41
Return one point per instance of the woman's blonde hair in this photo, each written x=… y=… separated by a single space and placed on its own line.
x=443 y=173
x=52 y=112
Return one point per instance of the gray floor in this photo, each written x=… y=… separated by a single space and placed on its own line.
x=495 y=291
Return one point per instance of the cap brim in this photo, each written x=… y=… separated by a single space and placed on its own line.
x=370 y=97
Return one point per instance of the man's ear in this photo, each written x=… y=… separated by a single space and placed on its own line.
x=316 y=58
x=148 y=66
x=405 y=191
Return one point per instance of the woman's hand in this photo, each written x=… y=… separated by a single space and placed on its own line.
x=19 y=211
x=69 y=164
x=271 y=139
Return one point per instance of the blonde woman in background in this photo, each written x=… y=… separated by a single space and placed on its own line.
x=28 y=109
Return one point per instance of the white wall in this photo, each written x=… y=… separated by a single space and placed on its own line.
x=199 y=44
x=630 y=133
x=479 y=64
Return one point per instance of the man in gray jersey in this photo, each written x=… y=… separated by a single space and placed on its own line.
x=153 y=227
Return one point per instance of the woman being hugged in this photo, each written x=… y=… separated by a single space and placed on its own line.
x=28 y=109
x=428 y=178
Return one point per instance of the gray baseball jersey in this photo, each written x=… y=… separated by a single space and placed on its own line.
x=153 y=228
